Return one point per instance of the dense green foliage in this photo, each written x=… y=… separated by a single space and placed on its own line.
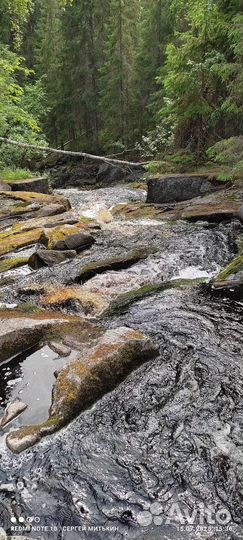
x=138 y=77
x=22 y=105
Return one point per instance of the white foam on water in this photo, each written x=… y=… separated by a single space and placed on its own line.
x=193 y=272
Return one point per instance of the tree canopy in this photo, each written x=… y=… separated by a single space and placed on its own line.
x=120 y=76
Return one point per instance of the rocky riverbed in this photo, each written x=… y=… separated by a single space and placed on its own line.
x=121 y=372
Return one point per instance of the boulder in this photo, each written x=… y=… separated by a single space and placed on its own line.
x=178 y=187
x=79 y=241
x=43 y=257
x=83 y=381
x=77 y=299
x=66 y=236
x=38 y=185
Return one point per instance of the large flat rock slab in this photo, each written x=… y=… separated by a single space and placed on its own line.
x=218 y=206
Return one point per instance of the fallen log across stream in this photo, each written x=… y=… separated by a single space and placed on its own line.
x=101 y=159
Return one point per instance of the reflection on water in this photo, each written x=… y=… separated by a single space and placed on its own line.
x=30 y=377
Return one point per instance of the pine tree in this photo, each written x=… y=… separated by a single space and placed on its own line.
x=156 y=31
x=83 y=27
x=48 y=62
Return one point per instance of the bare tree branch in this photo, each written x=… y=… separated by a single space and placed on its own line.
x=101 y=159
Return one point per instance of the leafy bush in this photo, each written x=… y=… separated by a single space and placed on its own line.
x=158 y=167
x=238 y=171
x=227 y=151
x=155 y=141
x=21 y=107
x=182 y=160
x=225 y=176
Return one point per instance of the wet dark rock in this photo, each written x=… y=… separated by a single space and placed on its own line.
x=91 y=175
x=43 y=257
x=119 y=262
x=179 y=187
x=74 y=174
x=110 y=174
x=38 y=185
x=79 y=241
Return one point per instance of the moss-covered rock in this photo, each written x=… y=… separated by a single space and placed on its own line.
x=11 y=241
x=49 y=230
x=80 y=383
x=234 y=268
x=113 y=263
x=230 y=280
x=138 y=210
x=30 y=197
x=83 y=381
x=125 y=300
x=11 y=263
x=86 y=302
x=68 y=237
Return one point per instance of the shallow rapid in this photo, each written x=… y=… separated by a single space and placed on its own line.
x=169 y=438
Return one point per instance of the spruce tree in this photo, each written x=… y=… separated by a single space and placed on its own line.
x=118 y=75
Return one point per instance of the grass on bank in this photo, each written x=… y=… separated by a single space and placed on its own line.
x=8 y=174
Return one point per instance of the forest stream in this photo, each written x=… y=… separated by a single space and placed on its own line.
x=166 y=439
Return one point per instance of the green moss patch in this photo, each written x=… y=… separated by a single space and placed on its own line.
x=10 y=264
x=128 y=298
x=234 y=267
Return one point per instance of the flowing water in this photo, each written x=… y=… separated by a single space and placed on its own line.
x=169 y=439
